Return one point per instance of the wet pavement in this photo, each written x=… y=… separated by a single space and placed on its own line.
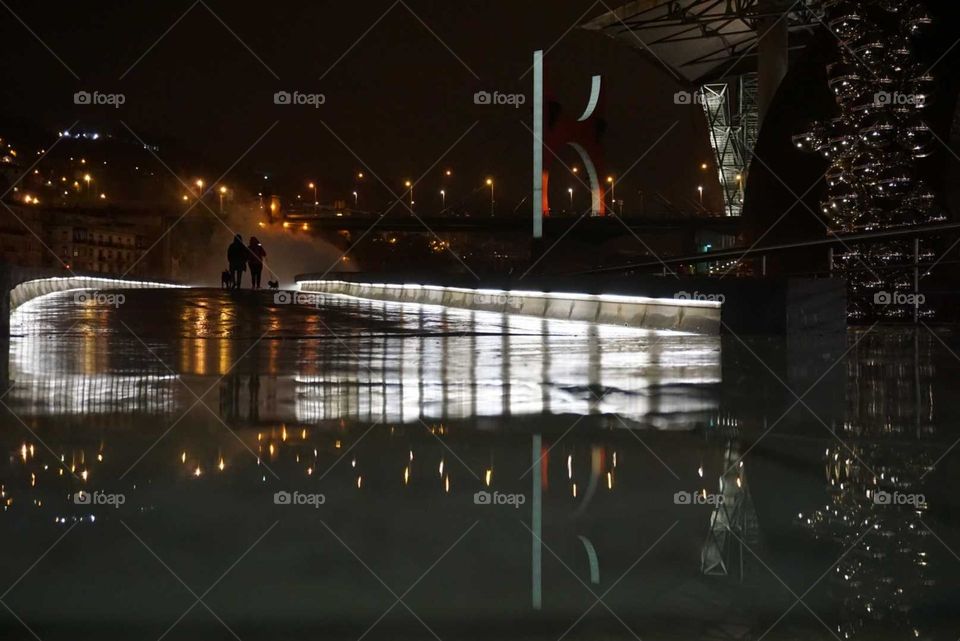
x=249 y=469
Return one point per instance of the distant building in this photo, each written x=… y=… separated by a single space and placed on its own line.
x=113 y=249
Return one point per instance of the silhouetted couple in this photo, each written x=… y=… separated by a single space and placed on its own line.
x=239 y=256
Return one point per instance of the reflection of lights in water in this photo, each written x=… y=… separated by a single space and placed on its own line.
x=198 y=471
x=538 y=366
x=569 y=466
x=609 y=480
x=446 y=484
x=359 y=482
x=221 y=464
x=406 y=475
x=573 y=490
x=488 y=477
x=441 y=468
x=183 y=456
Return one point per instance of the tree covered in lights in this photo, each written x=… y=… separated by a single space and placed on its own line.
x=875 y=146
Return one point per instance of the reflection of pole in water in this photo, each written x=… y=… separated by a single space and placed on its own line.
x=536 y=520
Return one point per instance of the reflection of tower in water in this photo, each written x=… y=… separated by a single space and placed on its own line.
x=875 y=483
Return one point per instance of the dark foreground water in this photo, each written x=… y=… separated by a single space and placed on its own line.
x=198 y=464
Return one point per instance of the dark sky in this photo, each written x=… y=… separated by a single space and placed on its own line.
x=398 y=98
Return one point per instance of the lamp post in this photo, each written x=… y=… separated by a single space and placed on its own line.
x=700 y=190
x=490 y=184
x=356 y=200
x=613 y=191
x=443 y=199
x=313 y=186
x=570 y=191
x=409 y=185
x=223 y=191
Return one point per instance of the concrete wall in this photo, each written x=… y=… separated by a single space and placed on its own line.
x=701 y=317
x=765 y=306
x=28 y=290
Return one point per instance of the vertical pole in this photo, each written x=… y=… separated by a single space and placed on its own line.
x=537 y=144
x=536 y=519
x=763 y=265
x=830 y=259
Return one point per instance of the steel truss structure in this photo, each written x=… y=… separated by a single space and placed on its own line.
x=731 y=111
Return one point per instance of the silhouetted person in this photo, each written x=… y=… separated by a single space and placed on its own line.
x=237 y=258
x=255 y=259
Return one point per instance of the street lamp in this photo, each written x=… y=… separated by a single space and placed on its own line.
x=613 y=191
x=409 y=185
x=490 y=185
x=223 y=191
x=199 y=184
x=313 y=186
x=443 y=200
x=448 y=173
x=700 y=189
x=570 y=191
x=87 y=178
x=356 y=200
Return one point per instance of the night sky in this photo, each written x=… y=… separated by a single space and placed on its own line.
x=396 y=96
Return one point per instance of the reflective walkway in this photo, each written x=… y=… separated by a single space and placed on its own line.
x=371 y=470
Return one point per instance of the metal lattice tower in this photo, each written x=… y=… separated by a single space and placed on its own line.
x=733 y=121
